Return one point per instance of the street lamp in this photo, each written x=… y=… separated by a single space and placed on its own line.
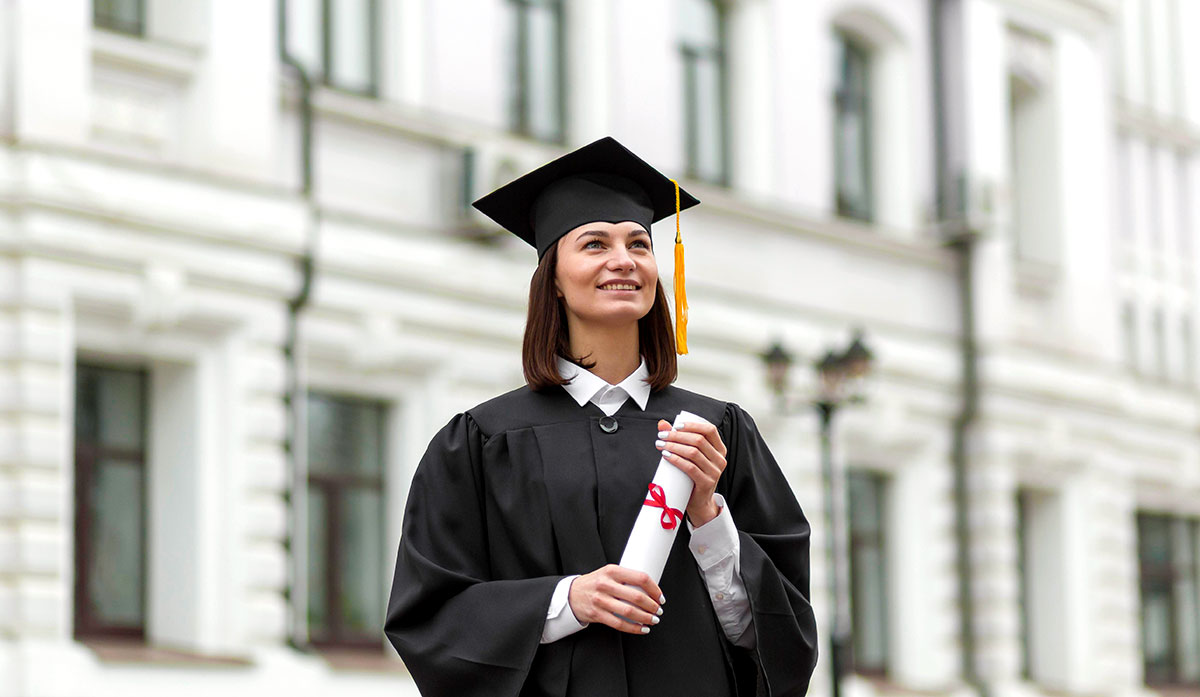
x=840 y=375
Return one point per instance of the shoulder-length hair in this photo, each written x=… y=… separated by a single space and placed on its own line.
x=546 y=334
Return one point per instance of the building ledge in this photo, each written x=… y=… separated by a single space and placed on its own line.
x=117 y=651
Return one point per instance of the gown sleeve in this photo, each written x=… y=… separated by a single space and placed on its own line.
x=774 y=537
x=459 y=630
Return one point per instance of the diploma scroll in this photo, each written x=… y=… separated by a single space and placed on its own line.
x=661 y=515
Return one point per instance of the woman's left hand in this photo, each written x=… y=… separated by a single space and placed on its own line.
x=697 y=450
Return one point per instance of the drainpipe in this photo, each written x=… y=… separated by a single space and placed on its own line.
x=960 y=237
x=295 y=443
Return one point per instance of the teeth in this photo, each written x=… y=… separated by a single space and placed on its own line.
x=619 y=286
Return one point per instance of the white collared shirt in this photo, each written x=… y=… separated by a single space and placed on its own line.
x=714 y=545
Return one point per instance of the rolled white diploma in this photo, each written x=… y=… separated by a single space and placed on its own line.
x=651 y=539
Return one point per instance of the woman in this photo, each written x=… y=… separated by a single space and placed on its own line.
x=506 y=582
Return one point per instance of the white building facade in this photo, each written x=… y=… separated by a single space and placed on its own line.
x=169 y=290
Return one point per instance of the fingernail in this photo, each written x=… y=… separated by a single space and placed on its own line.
x=662 y=599
x=654 y=620
x=659 y=443
x=660 y=610
x=645 y=630
x=663 y=434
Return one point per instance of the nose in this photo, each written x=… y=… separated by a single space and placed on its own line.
x=620 y=259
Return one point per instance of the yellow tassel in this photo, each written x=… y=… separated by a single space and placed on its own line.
x=681 y=307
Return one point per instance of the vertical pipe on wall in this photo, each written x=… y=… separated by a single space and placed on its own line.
x=295 y=445
x=953 y=219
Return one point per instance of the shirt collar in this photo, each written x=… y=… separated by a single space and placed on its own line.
x=584 y=385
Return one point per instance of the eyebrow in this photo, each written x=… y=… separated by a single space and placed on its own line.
x=604 y=233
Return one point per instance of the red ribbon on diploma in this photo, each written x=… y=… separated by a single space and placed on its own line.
x=658 y=499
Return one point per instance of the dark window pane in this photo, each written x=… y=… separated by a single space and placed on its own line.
x=703 y=66
x=344 y=436
x=126 y=16
x=345 y=520
x=108 y=407
x=545 y=101
x=115 y=583
x=1187 y=599
x=868 y=573
x=852 y=141
x=1170 y=599
x=110 y=501
x=533 y=31
x=361 y=544
x=1023 y=587
x=318 y=562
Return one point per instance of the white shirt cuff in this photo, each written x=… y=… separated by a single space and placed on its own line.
x=560 y=619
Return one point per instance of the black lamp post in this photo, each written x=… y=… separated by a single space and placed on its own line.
x=840 y=376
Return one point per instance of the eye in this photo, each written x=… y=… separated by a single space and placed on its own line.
x=640 y=243
x=597 y=244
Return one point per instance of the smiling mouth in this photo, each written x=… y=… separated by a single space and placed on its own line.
x=619 y=286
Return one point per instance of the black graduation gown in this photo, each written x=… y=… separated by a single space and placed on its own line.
x=526 y=488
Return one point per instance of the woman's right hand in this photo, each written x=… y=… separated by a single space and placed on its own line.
x=612 y=593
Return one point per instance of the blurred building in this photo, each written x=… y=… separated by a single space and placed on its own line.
x=169 y=286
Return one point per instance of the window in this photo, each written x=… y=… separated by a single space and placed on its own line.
x=336 y=41
x=345 y=521
x=1188 y=348
x=125 y=16
x=1170 y=598
x=1025 y=586
x=702 y=49
x=1130 y=335
x=1160 y=343
x=110 y=502
x=868 y=589
x=536 y=68
x=852 y=129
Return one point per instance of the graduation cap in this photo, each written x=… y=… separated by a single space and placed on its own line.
x=600 y=182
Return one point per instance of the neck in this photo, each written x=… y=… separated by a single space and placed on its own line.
x=614 y=349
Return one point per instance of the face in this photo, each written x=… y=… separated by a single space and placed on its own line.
x=606 y=273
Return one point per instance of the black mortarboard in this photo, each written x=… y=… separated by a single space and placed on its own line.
x=602 y=181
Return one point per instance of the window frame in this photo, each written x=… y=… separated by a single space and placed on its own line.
x=109 y=21
x=689 y=56
x=852 y=44
x=325 y=63
x=520 y=105
x=333 y=486
x=87 y=454
x=879 y=540
x=1167 y=575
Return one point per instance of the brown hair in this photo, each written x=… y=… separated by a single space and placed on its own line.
x=547 y=337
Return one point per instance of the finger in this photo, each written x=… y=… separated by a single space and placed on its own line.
x=642 y=580
x=619 y=616
x=633 y=613
x=676 y=453
x=698 y=442
x=636 y=597
x=710 y=433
